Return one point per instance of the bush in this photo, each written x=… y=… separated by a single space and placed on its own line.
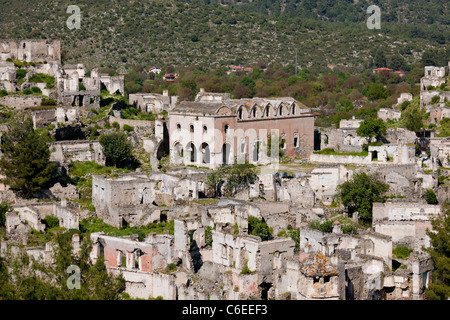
x=128 y=128
x=4 y=208
x=326 y=226
x=36 y=90
x=208 y=235
x=435 y=99
x=257 y=227
x=430 y=197
x=27 y=91
x=51 y=222
x=401 y=252
x=3 y=93
x=116 y=125
x=48 y=102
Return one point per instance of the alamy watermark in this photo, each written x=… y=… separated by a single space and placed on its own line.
x=74 y=21
x=374 y=21
x=74 y=280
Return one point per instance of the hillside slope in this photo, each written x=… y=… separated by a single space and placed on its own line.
x=117 y=33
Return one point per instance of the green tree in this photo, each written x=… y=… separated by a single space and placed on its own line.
x=412 y=118
x=360 y=192
x=430 y=197
x=258 y=227
x=116 y=148
x=375 y=91
x=439 y=251
x=4 y=208
x=372 y=127
x=34 y=280
x=25 y=162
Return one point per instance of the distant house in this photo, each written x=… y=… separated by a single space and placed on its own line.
x=239 y=68
x=170 y=76
x=382 y=70
x=401 y=73
x=155 y=70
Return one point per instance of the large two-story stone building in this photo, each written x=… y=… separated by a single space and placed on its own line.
x=215 y=130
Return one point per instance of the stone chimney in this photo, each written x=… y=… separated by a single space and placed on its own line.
x=165 y=93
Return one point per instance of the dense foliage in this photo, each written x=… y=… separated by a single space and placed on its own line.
x=206 y=32
x=229 y=180
x=25 y=161
x=258 y=227
x=360 y=192
x=439 y=250
x=116 y=148
x=27 y=279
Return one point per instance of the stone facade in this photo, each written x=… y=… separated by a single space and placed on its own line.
x=210 y=132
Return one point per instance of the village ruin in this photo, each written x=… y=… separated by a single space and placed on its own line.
x=211 y=253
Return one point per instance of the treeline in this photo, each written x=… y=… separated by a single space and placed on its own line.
x=336 y=94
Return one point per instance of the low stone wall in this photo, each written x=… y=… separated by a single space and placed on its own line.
x=327 y=158
x=20 y=102
x=132 y=123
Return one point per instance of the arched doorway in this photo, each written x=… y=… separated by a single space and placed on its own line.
x=226 y=149
x=205 y=153
x=192 y=152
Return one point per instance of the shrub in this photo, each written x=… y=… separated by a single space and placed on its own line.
x=27 y=91
x=401 y=252
x=51 y=222
x=128 y=128
x=3 y=93
x=48 y=102
x=4 y=208
x=36 y=90
x=208 y=235
x=171 y=267
x=435 y=99
x=116 y=125
x=326 y=226
x=21 y=73
x=259 y=228
x=81 y=87
x=430 y=197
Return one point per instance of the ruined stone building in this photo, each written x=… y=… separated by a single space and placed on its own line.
x=31 y=50
x=216 y=130
x=130 y=198
x=153 y=102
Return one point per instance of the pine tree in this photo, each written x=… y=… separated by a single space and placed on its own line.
x=25 y=161
x=439 y=251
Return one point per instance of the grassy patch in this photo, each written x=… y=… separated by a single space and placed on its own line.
x=330 y=151
x=401 y=252
x=94 y=224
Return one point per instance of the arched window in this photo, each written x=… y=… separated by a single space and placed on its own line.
x=225 y=129
x=205 y=129
x=191 y=128
x=240 y=113
x=178 y=127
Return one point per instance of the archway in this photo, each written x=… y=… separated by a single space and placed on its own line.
x=205 y=153
x=192 y=152
x=226 y=149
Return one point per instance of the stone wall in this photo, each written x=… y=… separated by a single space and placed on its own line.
x=20 y=101
x=67 y=151
x=405 y=222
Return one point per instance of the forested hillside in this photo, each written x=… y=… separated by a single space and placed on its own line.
x=324 y=33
